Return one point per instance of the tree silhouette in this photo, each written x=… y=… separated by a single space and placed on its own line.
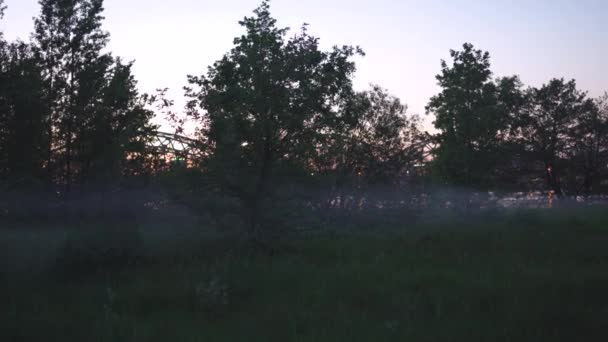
x=120 y=129
x=590 y=149
x=96 y=111
x=277 y=113
x=268 y=101
x=24 y=115
x=551 y=115
x=473 y=114
x=70 y=40
x=375 y=140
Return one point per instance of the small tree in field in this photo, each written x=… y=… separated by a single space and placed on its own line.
x=267 y=102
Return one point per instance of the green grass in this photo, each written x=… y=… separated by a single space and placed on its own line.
x=528 y=276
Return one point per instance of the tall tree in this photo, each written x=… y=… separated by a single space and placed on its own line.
x=70 y=40
x=267 y=101
x=97 y=114
x=550 y=119
x=120 y=129
x=23 y=114
x=473 y=114
x=590 y=149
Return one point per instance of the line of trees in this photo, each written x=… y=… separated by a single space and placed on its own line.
x=276 y=110
x=496 y=134
x=69 y=112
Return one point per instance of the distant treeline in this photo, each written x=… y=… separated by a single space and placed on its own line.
x=276 y=114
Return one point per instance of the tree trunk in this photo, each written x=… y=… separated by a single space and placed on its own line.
x=68 y=159
x=257 y=200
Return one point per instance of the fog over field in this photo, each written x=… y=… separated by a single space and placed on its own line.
x=197 y=171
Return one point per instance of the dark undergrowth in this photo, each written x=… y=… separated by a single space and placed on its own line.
x=521 y=276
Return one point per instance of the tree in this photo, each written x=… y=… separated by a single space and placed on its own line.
x=374 y=144
x=23 y=114
x=120 y=129
x=97 y=114
x=549 y=122
x=590 y=149
x=4 y=106
x=376 y=139
x=269 y=102
x=473 y=114
x=69 y=37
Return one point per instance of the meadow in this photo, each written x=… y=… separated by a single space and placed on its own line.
x=524 y=275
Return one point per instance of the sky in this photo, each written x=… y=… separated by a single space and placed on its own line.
x=404 y=40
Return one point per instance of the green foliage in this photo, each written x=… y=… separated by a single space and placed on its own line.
x=121 y=128
x=375 y=141
x=533 y=278
x=97 y=119
x=495 y=136
x=279 y=121
x=268 y=98
x=555 y=122
x=23 y=115
x=269 y=101
x=473 y=114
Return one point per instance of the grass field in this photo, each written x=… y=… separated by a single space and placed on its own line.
x=524 y=276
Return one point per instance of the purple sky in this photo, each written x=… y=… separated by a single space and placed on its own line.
x=404 y=40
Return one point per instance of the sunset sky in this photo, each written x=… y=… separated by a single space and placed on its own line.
x=404 y=40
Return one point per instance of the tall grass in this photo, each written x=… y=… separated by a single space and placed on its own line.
x=520 y=276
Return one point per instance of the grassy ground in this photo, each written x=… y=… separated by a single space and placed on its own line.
x=531 y=276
